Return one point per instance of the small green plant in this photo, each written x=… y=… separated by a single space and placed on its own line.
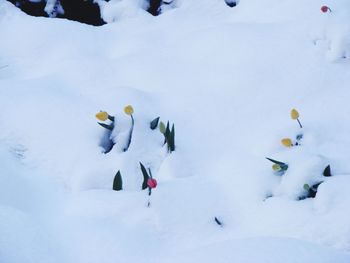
x=106 y=142
x=118 y=182
x=154 y=123
x=103 y=116
x=287 y=142
x=279 y=167
x=148 y=181
x=169 y=135
x=311 y=191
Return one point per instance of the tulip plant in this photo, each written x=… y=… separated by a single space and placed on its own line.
x=107 y=143
x=129 y=111
x=287 y=142
x=279 y=167
x=311 y=191
x=294 y=114
x=103 y=116
x=148 y=181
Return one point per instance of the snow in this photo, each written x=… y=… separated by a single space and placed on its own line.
x=227 y=78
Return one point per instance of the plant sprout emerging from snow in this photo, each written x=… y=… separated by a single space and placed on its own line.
x=279 y=167
x=327 y=171
x=117 y=182
x=325 y=9
x=311 y=191
x=106 y=142
x=103 y=116
x=129 y=110
x=148 y=181
x=294 y=114
x=169 y=135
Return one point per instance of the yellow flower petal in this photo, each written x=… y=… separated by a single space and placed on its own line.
x=294 y=114
x=102 y=115
x=129 y=110
x=287 y=142
x=276 y=167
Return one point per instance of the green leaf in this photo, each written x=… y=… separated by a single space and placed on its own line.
x=145 y=176
x=167 y=133
x=274 y=161
x=171 y=139
x=327 y=171
x=106 y=126
x=162 y=127
x=118 y=183
x=167 y=130
x=111 y=118
x=154 y=123
x=315 y=186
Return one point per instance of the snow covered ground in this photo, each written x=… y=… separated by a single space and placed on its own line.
x=228 y=79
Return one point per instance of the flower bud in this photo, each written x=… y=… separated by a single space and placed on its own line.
x=325 y=9
x=276 y=167
x=152 y=183
x=287 y=142
x=306 y=187
x=102 y=115
x=129 y=110
x=294 y=114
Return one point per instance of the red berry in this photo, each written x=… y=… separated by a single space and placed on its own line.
x=152 y=183
x=324 y=9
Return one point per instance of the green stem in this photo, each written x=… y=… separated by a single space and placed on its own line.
x=299 y=123
x=130 y=133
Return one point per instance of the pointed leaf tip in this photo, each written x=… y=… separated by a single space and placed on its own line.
x=327 y=171
x=117 y=182
x=154 y=123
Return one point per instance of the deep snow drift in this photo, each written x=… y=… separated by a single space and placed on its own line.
x=228 y=79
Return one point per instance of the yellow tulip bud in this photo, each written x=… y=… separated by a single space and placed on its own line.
x=129 y=110
x=102 y=115
x=287 y=142
x=294 y=114
x=276 y=167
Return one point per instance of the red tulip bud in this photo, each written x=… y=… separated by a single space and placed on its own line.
x=152 y=183
x=325 y=9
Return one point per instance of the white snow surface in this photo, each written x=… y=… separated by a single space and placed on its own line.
x=227 y=78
